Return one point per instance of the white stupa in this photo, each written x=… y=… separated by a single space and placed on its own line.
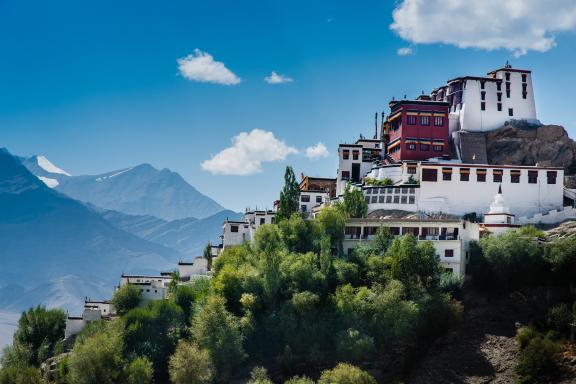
x=499 y=219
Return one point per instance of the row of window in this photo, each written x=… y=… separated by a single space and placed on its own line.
x=346 y=154
x=306 y=198
x=425 y=147
x=390 y=191
x=425 y=120
x=430 y=174
x=381 y=199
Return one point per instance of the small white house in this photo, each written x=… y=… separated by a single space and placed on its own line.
x=190 y=270
x=237 y=232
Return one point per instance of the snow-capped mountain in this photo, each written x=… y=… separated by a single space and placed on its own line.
x=56 y=250
x=139 y=190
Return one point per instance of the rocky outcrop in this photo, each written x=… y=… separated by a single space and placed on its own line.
x=519 y=143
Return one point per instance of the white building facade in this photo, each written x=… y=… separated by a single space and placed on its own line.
x=237 y=232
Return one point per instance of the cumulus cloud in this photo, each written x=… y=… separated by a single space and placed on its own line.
x=276 y=78
x=516 y=25
x=247 y=153
x=317 y=151
x=201 y=66
x=406 y=51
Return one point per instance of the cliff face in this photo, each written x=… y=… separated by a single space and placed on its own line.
x=522 y=144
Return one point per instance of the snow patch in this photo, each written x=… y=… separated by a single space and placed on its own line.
x=46 y=165
x=113 y=175
x=52 y=183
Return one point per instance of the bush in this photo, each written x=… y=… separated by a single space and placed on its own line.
x=20 y=375
x=524 y=335
x=190 y=364
x=346 y=374
x=560 y=318
x=538 y=360
x=139 y=371
x=127 y=297
x=353 y=346
x=259 y=375
x=299 y=380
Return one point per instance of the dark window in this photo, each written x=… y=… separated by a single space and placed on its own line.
x=497 y=175
x=388 y=199
x=507 y=86
x=381 y=198
x=448 y=253
x=411 y=120
x=524 y=76
x=524 y=87
x=424 y=147
x=499 y=95
x=437 y=148
x=318 y=199
x=481 y=175
x=424 y=120
x=234 y=228
x=507 y=76
x=464 y=174
x=412 y=170
x=524 y=94
x=346 y=154
x=439 y=121
x=510 y=111
x=447 y=174
x=499 y=86
x=483 y=105
x=305 y=198
x=508 y=94
x=355 y=155
x=499 y=105
x=411 y=146
x=346 y=175
x=482 y=84
x=515 y=177
x=367 y=199
x=483 y=95
x=262 y=221
x=429 y=174
x=551 y=176
x=404 y=200
x=374 y=199
x=411 y=200
x=532 y=177
x=396 y=199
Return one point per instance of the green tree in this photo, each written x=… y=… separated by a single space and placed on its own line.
x=268 y=246
x=332 y=223
x=153 y=331
x=39 y=330
x=218 y=331
x=353 y=202
x=125 y=298
x=190 y=365
x=97 y=359
x=289 y=196
x=382 y=241
x=208 y=254
x=299 y=380
x=259 y=375
x=20 y=375
x=346 y=374
x=298 y=235
x=139 y=371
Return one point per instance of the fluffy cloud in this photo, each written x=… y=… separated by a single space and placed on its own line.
x=275 y=78
x=406 y=51
x=516 y=25
x=201 y=66
x=317 y=151
x=247 y=153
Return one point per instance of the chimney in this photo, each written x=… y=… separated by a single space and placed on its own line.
x=375 y=125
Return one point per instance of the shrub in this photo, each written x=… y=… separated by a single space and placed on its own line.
x=353 y=346
x=299 y=380
x=139 y=371
x=538 y=360
x=127 y=297
x=346 y=374
x=190 y=364
x=259 y=375
x=524 y=335
x=560 y=318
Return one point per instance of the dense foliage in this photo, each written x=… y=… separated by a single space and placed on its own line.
x=126 y=298
x=289 y=196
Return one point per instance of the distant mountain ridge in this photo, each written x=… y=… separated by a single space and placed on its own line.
x=139 y=190
x=55 y=250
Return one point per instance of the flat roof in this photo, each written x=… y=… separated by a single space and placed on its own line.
x=510 y=70
x=394 y=103
x=464 y=165
x=146 y=276
x=371 y=220
x=480 y=78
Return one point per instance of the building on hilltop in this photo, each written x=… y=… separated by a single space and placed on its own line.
x=315 y=191
x=237 y=232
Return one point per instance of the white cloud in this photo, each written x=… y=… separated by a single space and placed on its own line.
x=406 y=51
x=247 y=153
x=276 y=78
x=317 y=151
x=201 y=66
x=516 y=25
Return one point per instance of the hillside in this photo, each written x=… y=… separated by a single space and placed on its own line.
x=54 y=250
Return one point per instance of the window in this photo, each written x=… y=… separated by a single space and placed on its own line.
x=481 y=175
x=510 y=111
x=273 y=220
x=374 y=199
x=305 y=198
x=483 y=106
x=437 y=148
x=396 y=199
x=499 y=105
x=303 y=208
x=507 y=76
x=262 y=220
x=367 y=199
x=411 y=146
x=318 y=199
x=508 y=93
x=346 y=175
x=532 y=177
x=482 y=84
x=524 y=88
x=448 y=253
x=412 y=190
x=515 y=176
x=381 y=199
x=424 y=147
x=507 y=86
x=446 y=174
x=429 y=174
x=499 y=95
x=411 y=170
x=464 y=174
x=404 y=191
x=424 y=120
x=524 y=95
x=411 y=120
x=439 y=121
x=497 y=175
x=388 y=199
x=483 y=95
x=499 y=86
x=524 y=76
x=355 y=154
x=411 y=199
x=234 y=228
x=346 y=154
x=551 y=176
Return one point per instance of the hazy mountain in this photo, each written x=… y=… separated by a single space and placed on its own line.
x=141 y=190
x=55 y=250
x=188 y=236
x=44 y=170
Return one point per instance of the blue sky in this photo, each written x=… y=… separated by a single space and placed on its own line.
x=97 y=87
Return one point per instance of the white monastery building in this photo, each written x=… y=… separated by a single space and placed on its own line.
x=237 y=232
